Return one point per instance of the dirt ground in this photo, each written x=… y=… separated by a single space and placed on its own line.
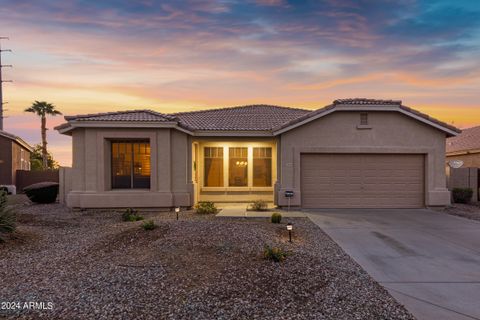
x=92 y=265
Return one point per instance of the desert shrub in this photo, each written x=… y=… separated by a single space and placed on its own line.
x=462 y=195
x=42 y=192
x=149 y=225
x=8 y=218
x=274 y=253
x=131 y=215
x=206 y=207
x=259 y=205
x=276 y=217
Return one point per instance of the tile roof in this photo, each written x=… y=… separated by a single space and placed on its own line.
x=130 y=115
x=243 y=118
x=364 y=101
x=469 y=139
x=247 y=118
x=427 y=117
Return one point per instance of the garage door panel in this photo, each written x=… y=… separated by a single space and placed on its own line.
x=362 y=180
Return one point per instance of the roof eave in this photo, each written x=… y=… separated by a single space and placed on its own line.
x=233 y=133
x=66 y=128
x=24 y=144
x=18 y=140
x=462 y=152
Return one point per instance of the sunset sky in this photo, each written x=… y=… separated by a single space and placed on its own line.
x=97 y=56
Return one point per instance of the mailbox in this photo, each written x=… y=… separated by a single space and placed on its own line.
x=289 y=194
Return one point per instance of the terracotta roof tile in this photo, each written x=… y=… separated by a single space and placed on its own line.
x=469 y=139
x=243 y=118
x=364 y=101
x=427 y=117
x=130 y=115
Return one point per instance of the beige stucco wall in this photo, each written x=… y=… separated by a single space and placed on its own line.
x=170 y=185
x=391 y=132
x=471 y=160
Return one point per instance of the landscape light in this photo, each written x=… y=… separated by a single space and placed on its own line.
x=289 y=228
x=177 y=210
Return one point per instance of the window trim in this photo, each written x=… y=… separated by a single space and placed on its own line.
x=364 y=121
x=247 y=165
x=226 y=158
x=132 y=165
x=203 y=166
x=261 y=158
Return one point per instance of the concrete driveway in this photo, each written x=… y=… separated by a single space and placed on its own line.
x=428 y=261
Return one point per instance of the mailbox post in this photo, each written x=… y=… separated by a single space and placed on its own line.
x=288 y=195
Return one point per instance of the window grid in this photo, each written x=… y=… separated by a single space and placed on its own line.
x=213 y=166
x=262 y=167
x=237 y=162
x=131 y=168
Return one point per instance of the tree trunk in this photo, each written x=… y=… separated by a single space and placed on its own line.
x=44 y=143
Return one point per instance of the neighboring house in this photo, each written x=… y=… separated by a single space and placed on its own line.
x=354 y=153
x=14 y=155
x=465 y=147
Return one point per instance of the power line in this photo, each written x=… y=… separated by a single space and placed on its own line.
x=2 y=81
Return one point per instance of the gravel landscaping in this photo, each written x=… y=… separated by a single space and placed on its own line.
x=91 y=264
x=470 y=211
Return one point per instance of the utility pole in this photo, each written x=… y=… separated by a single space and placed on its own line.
x=2 y=81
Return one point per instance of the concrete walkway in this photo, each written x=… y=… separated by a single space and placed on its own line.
x=428 y=261
x=239 y=210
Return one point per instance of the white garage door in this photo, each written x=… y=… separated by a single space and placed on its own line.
x=362 y=180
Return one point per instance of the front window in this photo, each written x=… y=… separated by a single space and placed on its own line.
x=131 y=165
x=213 y=166
x=262 y=167
x=238 y=167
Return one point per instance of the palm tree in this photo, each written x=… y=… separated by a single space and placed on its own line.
x=42 y=109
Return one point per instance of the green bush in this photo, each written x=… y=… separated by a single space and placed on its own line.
x=42 y=192
x=274 y=254
x=462 y=195
x=131 y=215
x=276 y=217
x=149 y=225
x=8 y=218
x=259 y=205
x=206 y=207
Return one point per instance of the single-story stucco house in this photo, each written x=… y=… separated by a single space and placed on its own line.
x=465 y=147
x=354 y=153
